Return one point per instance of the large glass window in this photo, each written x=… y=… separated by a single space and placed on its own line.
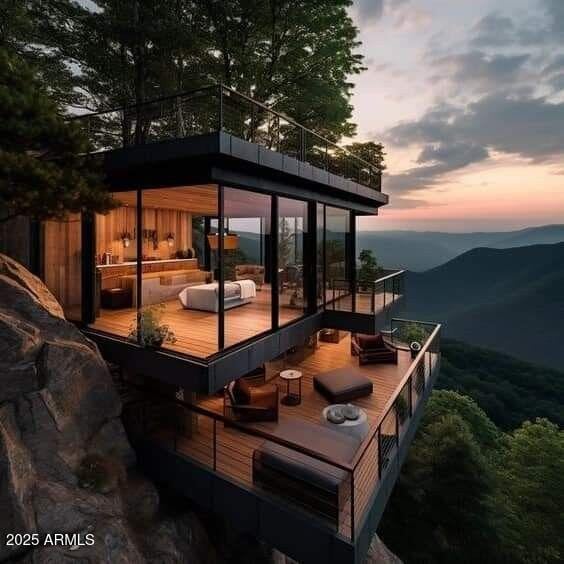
x=337 y=245
x=292 y=232
x=178 y=293
x=115 y=291
x=246 y=237
x=320 y=255
x=62 y=263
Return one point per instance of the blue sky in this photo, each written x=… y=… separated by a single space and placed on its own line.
x=468 y=97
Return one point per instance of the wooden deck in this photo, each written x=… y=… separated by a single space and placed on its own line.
x=196 y=332
x=235 y=448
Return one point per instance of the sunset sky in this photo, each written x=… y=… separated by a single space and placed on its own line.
x=468 y=97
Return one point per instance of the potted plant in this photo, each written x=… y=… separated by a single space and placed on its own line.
x=149 y=332
x=414 y=348
x=414 y=335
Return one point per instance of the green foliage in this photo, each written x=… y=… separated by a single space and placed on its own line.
x=530 y=493
x=412 y=332
x=370 y=152
x=508 y=390
x=441 y=498
x=296 y=55
x=148 y=331
x=43 y=173
x=369 y=269
x=470 y=493
x=448 y=402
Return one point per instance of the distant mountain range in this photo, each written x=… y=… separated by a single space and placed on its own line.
x=422 y=250
x=510 y=300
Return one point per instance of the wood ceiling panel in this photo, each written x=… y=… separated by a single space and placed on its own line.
x=197 y=199
x=202 y=200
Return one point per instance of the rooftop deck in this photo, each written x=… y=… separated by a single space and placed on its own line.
x=226 y=448
x=247 y=124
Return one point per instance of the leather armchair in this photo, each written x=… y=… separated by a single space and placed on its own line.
x=254 y=272
x=245 y=403
x=372 y=349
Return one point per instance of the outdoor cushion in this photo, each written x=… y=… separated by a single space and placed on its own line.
x=302 y=467
x=231 y=392
x=242 y=392
x=318 y=438
x=370 y=341
x=343 y=384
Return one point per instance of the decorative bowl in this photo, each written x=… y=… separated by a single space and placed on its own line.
x=351 y=412
x=335 y=415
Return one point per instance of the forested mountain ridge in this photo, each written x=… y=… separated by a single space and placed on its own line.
x=510 y=300
x=422 y=250
x=510 y=391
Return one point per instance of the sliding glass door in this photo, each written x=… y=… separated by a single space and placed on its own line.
x=247 y=300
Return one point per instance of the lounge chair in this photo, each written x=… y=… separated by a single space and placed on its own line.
x=372 y=349
x=245 y=403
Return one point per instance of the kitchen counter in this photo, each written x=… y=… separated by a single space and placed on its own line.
x=134 y=263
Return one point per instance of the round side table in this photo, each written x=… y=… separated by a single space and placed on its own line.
x=292 y=398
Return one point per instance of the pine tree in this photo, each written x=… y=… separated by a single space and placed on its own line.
x=44 y=173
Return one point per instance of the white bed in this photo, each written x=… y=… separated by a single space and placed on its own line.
x=205 y=297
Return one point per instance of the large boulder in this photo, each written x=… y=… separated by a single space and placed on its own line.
x=66 y=465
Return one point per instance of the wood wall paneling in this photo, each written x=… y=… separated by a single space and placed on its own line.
x=62 y=262
x=110 y=227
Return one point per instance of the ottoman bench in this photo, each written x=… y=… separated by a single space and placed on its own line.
x=316 y=485
x=342 y=384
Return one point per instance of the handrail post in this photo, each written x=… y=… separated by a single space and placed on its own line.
x=379 y=452
x=175 y=430
x=253 y=122
x=214 y=444
x=220 y=117
x=410 y=396
x=397 y=429
x=373 y=298
x=352 y=507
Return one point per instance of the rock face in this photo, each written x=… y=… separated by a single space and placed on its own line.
x=65 y=463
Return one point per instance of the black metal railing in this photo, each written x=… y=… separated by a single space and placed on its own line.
x=384 y=443
x=219 y=108
x=206 y=436
x=370 y=297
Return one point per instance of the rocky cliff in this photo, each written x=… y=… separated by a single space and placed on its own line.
x=66 y=465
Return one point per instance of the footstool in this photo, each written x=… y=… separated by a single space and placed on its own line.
x=342 y=384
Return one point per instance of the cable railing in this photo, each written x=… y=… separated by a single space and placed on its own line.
x=385 y=441
x=220 y=108
x=233 y=449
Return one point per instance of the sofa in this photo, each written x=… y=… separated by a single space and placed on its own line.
x=254 y=272
x=157 y=287
x=314 y=484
